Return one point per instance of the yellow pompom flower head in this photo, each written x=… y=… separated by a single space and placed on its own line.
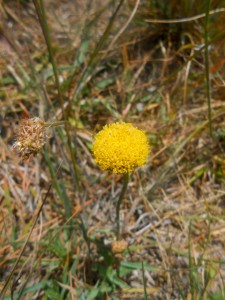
x=120 y=147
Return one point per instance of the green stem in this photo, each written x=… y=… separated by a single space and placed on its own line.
x=207 y=71
x=40 y=9
x=125 y=183
x=54 y=123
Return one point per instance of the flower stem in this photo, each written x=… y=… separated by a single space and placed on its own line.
x=125 y=183
x=54 y=123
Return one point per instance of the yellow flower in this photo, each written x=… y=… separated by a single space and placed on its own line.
x=120 y=147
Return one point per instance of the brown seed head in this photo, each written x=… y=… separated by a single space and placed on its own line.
x=31 y=136
x=119 y=246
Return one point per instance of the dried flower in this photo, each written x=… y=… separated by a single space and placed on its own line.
x=119 y=246
x=31 y=136
x=120 y=147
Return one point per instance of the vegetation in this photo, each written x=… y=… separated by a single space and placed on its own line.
x=72 y=67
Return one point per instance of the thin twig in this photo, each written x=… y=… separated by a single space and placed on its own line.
x=183 y=20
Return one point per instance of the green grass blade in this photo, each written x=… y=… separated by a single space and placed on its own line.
x=207 y=71
x=144 y=281
x=58 y=185
x=94 y=57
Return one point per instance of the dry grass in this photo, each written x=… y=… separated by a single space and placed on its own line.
x=150 y=74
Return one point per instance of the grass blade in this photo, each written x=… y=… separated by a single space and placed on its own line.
x=207 y=74
x=144 y=281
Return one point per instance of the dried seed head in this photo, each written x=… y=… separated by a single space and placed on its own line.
x=119 y=246
x=31 y=136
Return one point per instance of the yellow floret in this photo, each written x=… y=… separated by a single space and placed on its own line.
x=120 y=147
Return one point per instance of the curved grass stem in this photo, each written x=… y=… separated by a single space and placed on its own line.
x=124 y=188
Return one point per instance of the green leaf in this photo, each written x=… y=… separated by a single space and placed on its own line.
x=82 y=54
x=52 y=294
x=137 y=265
x=113 y=278
x=105 y=287
x=104 y=83
x=8 y=80
x=58 y=248
x=122 y=284
x=93 y=293
x=217 y=296
x=33 y=289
